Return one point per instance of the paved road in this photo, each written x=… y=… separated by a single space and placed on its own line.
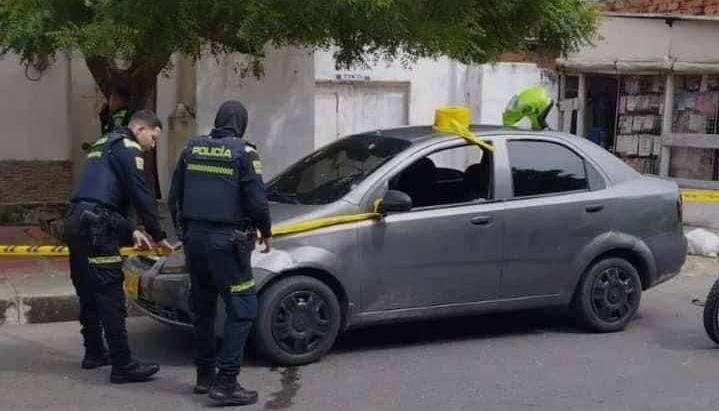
x=532 y=361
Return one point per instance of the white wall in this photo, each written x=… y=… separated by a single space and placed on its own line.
x=280 y=105
x=500 y=82
x=86 y=101
x=33 y=114
x=695 y=41
x=433 y=83
x=485 y=89
x=652 y=39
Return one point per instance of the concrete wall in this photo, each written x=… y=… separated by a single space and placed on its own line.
x=652 y=39
x=500 y=82
x=35 y=142
x=433 y=83
x=86 y=101
x=280 y=105
x=51 y=119
x=33 y=114
x=485 y=89
x=695 y=41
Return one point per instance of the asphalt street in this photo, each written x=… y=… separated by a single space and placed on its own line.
x=530 y=360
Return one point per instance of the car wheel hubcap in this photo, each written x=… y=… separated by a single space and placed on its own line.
x=301 y=322
x=614 y=294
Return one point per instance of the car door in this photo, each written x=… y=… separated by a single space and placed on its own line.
x=447 y=249
x=554 y=209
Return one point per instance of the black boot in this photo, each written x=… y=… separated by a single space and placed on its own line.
x=92 y=361
x=133 y=372
x=227 y=391
x=205 y=378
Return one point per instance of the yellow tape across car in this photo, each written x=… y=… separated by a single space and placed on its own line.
x=455 y=120
x=303 y=226
x=450 y=120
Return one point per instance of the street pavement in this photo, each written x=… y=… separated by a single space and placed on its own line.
x=535 y=360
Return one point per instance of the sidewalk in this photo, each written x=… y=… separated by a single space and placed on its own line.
x=34 y=289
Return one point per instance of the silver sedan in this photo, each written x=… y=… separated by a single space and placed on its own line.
x=546 y=219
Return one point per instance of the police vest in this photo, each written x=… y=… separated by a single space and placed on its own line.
x=99 y=181
x=212 y=180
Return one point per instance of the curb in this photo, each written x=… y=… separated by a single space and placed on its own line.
x=44 y=309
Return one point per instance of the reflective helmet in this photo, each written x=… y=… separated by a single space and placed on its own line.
x=533 y=103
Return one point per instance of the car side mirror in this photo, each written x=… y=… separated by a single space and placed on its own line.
x=394 y=201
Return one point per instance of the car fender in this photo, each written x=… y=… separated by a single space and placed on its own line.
x=613 y=241
x=279 y=261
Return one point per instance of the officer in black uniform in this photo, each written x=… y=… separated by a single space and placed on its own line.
x=116 y=113
x=95 y=228
x=218 y=204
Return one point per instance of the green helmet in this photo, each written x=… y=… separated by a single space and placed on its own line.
x=533 y=103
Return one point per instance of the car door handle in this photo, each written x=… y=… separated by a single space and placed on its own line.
x=594 y=208
x=482 y=220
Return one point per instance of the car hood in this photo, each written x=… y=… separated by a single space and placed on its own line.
x=282 y=212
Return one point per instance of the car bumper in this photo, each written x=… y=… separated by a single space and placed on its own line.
x=166 y=296
x=670 y=254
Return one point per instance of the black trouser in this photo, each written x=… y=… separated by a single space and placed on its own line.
x=217 y=268
x=96 y=272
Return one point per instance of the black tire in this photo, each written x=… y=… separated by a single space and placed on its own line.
x=289 y=330
x=711 y=313
x=608 y=295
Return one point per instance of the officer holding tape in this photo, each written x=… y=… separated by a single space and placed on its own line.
x=218 y=204
x=95 y=228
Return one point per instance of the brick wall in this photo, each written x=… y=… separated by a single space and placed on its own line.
x=35 y=181
x=690 y=7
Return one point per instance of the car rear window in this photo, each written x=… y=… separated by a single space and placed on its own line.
x=331 y=172
x=540 y=168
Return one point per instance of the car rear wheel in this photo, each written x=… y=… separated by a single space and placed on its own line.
x=298 y=320
x=608 y=296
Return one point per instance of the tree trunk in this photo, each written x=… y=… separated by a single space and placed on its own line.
x=144 y=95
x=143 y=83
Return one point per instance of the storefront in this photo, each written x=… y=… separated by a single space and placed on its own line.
x=649 y=92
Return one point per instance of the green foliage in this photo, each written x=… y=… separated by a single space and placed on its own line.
x=144 y=33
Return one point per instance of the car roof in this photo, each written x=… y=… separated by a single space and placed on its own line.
x=417 y=134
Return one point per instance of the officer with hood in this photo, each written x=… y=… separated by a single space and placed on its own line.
x=218 y=204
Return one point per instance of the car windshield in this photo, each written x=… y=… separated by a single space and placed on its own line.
x=331 y=172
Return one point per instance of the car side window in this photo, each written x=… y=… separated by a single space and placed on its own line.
x=541 y=168
x=450 y=176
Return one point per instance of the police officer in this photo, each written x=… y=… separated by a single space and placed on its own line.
x=115 y=113
x=218 y=204
x=95 y=227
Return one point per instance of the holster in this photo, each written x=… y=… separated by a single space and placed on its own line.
x=244 y=240
x=103 y=223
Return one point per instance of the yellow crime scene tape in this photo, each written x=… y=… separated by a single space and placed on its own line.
x=63 y=251
x=700 y=196
x=455 y=120
x=450 y=120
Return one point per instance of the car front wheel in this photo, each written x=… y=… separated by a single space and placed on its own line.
x=298 y=320
x=609 y=294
